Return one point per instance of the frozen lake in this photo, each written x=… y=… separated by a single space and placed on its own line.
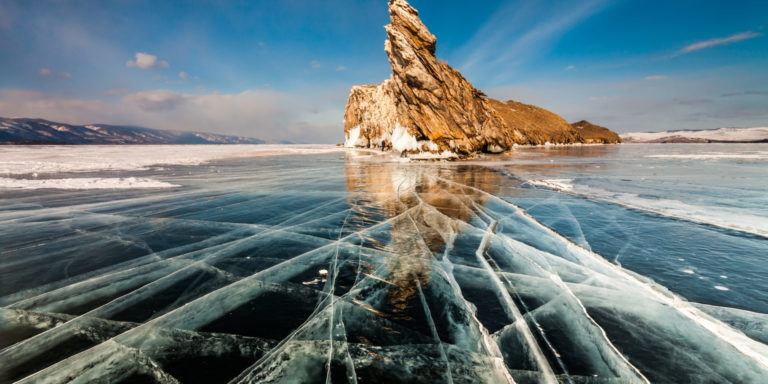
x=245 y=264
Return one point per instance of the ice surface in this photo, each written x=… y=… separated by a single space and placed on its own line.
x=759 y=155
x=324 y=268
x=84 y=183
x=20 y=160
x=725 y=217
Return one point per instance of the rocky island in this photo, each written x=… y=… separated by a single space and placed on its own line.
x=427 y=106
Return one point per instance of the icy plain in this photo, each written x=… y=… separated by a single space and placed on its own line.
x=345 y=267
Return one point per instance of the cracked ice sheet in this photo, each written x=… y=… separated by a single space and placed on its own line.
x=431 y=277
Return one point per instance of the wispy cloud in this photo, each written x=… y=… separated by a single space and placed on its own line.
x=183 y=76
x=49 y=73
x=684 y=101
x=697 y=46
x=156 y=100
x=656 y=77
x=509 y=35
x=145 y=60
x=315 y=64
x=745 y=93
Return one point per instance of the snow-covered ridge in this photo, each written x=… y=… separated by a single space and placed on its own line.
x=39 y=131
x=21 y=160
x=740 y=135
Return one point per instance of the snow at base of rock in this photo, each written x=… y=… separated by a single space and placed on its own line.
x=353 y=138
x=402 y=140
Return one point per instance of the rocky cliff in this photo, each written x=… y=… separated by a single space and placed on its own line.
x=427 y=106
x=595 y=134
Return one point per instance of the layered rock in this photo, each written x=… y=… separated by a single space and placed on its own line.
x=428 y=106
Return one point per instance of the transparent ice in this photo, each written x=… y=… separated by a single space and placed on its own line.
x=344 y=268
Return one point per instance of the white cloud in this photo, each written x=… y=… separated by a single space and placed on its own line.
x=745 y=93
x=117 y=92
x=307 y=116
x=47 y=72
x=24 y=103
x=157 y=100
x=315 y=64
x=262 y=113
x=184 y=76
x=656 y=77
x=570 y=68
x=718 y=41
x=146 y=61
x=341 y=68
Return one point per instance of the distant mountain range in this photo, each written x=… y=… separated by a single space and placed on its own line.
x=719 y=135
x=39 y=131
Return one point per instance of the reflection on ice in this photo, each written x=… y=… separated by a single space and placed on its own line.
x=390 y=272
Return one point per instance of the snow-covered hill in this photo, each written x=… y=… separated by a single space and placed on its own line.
x=39 y=131
x=720 y=135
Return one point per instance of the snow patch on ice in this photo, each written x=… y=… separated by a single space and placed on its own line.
x=721 y=288
x=564 y=185
x=84 y=183
x=734 y=219
x=21 y=160
x=444 y=155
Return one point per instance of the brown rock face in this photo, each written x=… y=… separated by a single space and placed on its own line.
x=595 y=134
x=428 y=106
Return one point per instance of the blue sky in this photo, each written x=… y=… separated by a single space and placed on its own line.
x=281 y=70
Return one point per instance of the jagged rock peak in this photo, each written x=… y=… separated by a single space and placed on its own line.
x=427 y=106
x=405 y=20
